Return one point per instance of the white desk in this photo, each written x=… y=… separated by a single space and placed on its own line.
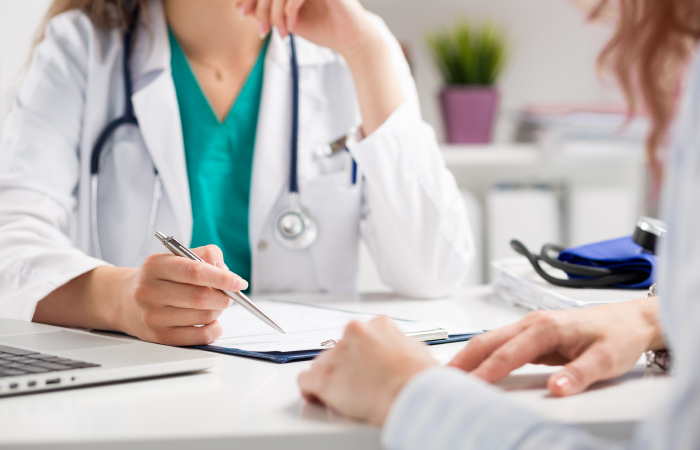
x=247 y=403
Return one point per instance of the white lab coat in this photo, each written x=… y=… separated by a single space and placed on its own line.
x=415 y=226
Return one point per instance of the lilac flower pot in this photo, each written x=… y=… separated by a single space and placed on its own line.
x=468 y=113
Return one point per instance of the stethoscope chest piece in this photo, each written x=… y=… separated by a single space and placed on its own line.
x=295 y=228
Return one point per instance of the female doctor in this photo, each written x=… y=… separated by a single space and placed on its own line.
x=227 y=122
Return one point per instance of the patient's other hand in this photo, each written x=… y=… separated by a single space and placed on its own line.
x=593 y=344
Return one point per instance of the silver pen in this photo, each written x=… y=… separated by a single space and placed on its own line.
x=178 y=249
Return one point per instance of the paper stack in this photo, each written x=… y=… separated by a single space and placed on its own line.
x=517 y=283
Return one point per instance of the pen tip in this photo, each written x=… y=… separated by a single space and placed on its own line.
x=161 y=237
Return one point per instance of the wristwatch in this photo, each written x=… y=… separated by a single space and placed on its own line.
x=660 y=358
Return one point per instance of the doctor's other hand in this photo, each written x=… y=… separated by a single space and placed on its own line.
x=342 y=25
x=593 y=344
x=169 y=295
x=362 y=375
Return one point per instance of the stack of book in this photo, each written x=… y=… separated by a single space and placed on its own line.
x=516 y=282
x=582 y=130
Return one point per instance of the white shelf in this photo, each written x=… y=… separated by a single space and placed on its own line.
x=502 y=155
x=491 y=155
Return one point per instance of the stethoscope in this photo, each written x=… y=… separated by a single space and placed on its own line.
x=295 y=228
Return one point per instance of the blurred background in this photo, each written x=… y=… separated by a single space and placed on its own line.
x=554 y=166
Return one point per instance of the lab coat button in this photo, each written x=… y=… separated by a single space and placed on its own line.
x=262 y=245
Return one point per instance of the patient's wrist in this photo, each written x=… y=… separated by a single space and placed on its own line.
x=649 y=309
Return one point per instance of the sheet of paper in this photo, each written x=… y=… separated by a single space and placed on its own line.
x=306 y=326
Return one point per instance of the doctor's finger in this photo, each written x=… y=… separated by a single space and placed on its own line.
x=526 y=347
x=262 y=12
x=182 y=336
x=170 y=316
x=291 y=11
x=181 y=295
x=209 y=253
x=481 y=347
x=277 y=17
x=186 y=271
x=246 y=7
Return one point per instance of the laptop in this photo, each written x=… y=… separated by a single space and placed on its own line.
x=36 y=358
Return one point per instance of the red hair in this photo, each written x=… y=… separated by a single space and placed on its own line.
x=648 y=54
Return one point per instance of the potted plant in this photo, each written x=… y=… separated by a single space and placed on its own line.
x=470 y=59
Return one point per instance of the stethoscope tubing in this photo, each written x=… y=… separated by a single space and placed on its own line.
x=613 y=278
x=129 y=118
x=294 y=144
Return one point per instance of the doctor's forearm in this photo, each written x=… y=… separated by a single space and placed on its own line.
x=91 y=300
x=378 y=90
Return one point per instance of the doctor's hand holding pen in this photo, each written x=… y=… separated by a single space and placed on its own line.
x=362 y=376
x=343 y=26
x=159 y=302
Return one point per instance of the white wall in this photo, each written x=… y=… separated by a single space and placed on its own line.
x=19 y=20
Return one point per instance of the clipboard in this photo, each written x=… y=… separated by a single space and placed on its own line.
x=286 y=357
x=311 y=328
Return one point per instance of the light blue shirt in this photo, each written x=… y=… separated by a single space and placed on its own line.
x=444 y=408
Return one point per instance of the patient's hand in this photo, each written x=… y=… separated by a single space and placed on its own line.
x=366 y=370
x=593 y=344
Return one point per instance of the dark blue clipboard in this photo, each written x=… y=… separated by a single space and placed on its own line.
x=285 y=357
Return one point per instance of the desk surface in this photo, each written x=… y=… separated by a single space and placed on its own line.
x=254 y=403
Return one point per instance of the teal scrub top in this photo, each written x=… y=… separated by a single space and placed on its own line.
x=219 y=159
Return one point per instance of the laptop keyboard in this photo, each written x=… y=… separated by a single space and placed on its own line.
x=17 y=361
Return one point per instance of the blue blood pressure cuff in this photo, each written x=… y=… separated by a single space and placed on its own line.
x=618 y=255
x=618 y=263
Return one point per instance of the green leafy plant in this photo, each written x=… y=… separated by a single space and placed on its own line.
x=469 y=54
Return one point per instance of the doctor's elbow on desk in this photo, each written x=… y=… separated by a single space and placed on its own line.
x=430 y=281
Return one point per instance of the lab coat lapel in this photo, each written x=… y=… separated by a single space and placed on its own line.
x=271 y=158
x=159 y=118
x=156 y=107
